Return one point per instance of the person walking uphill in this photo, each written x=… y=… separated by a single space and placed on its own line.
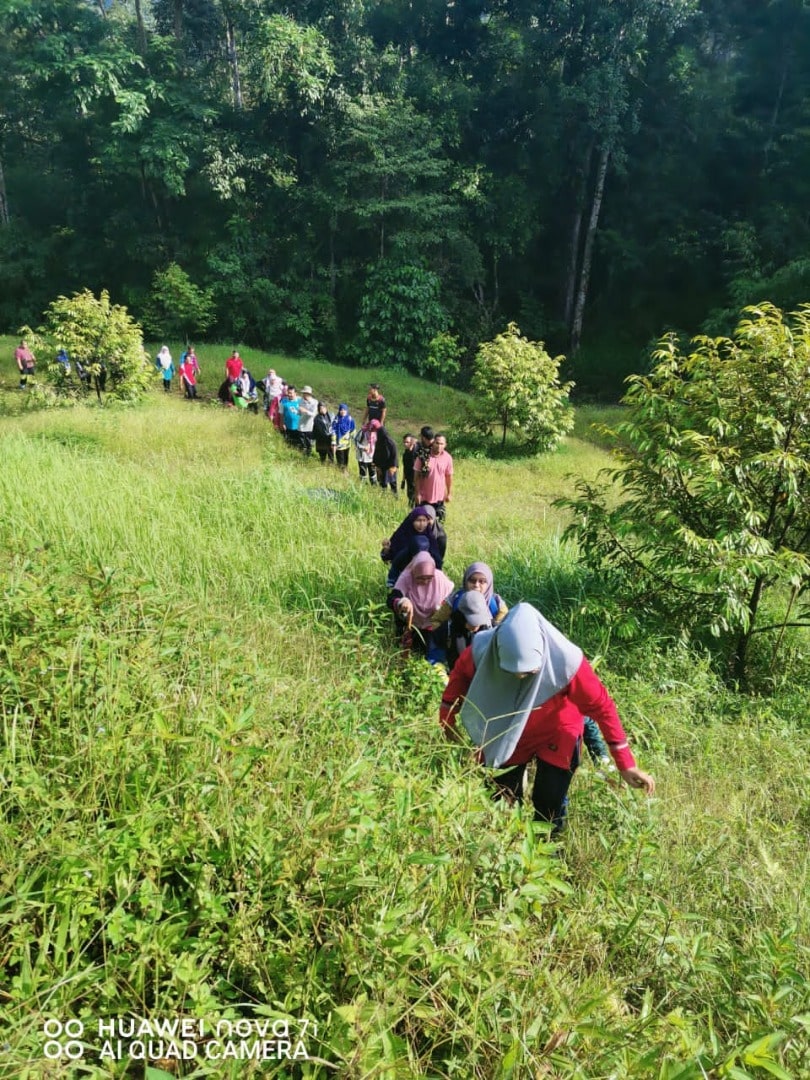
x=522 y=691
x=385 y=457
x=233 y=367
x=376 y=408
x=307 y=411
x=26 y=364
x=343 y=428
x=434 y=481
x=165 y=365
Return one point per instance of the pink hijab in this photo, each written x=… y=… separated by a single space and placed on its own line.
x=425 y=598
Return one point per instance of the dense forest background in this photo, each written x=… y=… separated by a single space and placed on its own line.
x=351 y=178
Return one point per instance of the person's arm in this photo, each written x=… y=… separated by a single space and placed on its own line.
x=400 y=604
x=448 y=483
x=442 y=613
x=383 y=415
x=456 y=690
x=590 y=696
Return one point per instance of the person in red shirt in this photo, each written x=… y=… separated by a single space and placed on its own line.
x=188 y=377
x=522 y=692
x=233 y=367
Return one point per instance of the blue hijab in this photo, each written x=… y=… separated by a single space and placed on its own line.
x=342 y=425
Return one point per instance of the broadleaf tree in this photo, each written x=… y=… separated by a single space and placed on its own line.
x=400 y=314
x=100 y=336
x=711 y=527
x=176 y=306
x=516 y=384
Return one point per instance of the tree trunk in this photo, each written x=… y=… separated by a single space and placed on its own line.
x=332 y=265
x=777 y=105
x=141 y=28
x=587 y=252
x=383 y=199
x=5 y=217
x=576 y=229
x=744 y=640
x=233 y=60
x=177 y=27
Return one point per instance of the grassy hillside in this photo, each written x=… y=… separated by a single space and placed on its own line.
x=224 y=796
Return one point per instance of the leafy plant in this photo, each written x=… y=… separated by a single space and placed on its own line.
x=517 y=381
x=713 y=512
x=99 y=336
x=401 y=314
x=441 y=361
x=176 y=306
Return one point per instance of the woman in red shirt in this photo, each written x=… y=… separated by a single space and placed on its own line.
x=522 y=691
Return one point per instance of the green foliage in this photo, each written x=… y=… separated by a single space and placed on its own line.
x=401 y=314
x=518 y=382
x=713 y=515
x=222 y=786
x=442 y=359
x=103 y=338
x=176 y=307
x=283 y=311
x=293 y=64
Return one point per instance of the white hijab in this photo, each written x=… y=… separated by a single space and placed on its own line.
x=497 y=705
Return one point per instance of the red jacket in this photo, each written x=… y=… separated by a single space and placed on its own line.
x=553 y=728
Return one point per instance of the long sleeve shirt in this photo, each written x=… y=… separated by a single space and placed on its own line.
x=553 y=728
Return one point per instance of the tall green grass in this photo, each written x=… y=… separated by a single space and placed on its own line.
x=223 y=791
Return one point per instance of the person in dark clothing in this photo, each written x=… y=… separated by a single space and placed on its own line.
x=376 y=409
x=418 y=532
x=322 y=433
x=408 y=460
x=386 y=457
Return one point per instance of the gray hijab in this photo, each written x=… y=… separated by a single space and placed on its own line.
x=497 y=705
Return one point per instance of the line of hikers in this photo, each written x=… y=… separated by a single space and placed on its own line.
x=520 y=688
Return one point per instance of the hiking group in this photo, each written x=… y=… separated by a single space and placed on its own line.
x=523 y=692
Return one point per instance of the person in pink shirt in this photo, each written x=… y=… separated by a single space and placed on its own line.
x=434 y=483
x=25 y=363
x=522 y=692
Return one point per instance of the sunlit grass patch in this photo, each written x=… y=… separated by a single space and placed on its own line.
x=222 y=786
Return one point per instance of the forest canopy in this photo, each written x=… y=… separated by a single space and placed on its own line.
x=597 y=173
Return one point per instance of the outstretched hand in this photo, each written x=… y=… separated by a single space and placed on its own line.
x=636 y=778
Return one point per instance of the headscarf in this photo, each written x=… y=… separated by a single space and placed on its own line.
x=375 y=425
x=342 y=425
x=480 y=568
x=405 y=534
x=425 y=598
x=497 y=705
